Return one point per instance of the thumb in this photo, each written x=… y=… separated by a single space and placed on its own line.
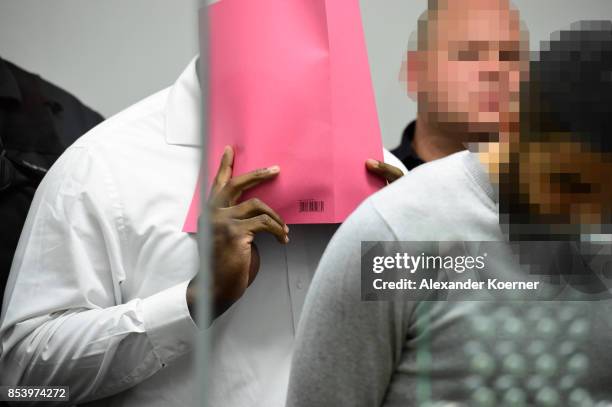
x=254 y=266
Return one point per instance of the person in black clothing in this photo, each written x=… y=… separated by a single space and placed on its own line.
x=405 y=151
x=465 y=75
x=38 y=121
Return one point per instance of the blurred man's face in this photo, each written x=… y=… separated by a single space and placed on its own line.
x=566 y=182
x=472 y=67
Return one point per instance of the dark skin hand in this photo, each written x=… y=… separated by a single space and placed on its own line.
x=234 y=226
x=384 y=170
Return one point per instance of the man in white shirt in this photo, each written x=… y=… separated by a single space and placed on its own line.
x=97 y=296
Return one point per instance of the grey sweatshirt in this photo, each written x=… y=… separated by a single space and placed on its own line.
x=407 y=353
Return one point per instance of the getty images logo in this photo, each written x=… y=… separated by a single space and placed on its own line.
x=405 y=261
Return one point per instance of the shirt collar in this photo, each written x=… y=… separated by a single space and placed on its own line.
x=9 y=89
x=184 y=109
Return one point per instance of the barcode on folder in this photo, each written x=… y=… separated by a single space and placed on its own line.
x=311 y=205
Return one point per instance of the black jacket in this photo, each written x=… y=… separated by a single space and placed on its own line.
x=405 y=152
x=38 y=121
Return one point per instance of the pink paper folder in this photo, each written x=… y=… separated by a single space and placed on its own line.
x=290 y=85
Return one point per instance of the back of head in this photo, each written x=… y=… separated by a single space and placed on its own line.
x=570 y=87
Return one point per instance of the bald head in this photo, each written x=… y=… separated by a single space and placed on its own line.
x=444 y=16
x=469 y=62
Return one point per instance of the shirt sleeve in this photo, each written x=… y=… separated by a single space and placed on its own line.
x=346 y=348
x=64 y=321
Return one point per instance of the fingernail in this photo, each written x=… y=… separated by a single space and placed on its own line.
x=286 y=229
x=372 y=162
x=286 y=239
x=227 y=149
x=274 y=169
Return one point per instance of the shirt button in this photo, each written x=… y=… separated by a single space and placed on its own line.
x=299 y=284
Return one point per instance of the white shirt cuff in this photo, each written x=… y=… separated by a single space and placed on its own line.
x=168 y=323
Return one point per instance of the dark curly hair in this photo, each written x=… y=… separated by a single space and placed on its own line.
x=570 y=87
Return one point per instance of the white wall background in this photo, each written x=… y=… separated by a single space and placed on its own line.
x=108 y=53
x=112 y=53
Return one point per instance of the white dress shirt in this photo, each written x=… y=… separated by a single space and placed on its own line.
x=96 y=295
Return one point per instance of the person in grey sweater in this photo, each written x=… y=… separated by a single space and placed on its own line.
x=553 y=184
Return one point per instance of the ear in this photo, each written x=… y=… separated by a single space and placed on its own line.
x=403 y=73
x=412 y=71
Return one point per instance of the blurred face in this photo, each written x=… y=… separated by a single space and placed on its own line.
x=566 y=182
x=472 y=67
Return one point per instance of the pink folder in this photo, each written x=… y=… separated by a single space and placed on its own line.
x=290 y=85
